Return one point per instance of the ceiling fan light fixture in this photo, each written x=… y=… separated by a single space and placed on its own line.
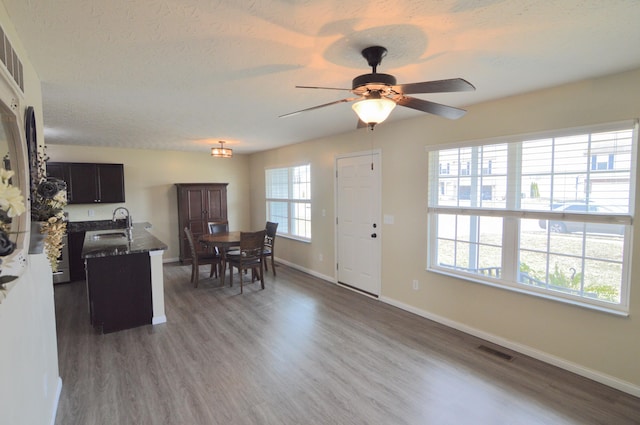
x=374 y=111
x=221 y=152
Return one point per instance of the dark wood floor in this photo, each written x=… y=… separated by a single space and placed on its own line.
x=304 y=352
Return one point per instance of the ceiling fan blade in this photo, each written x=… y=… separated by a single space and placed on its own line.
x=322 y=88
x=349 y=99
x=439 y=86
x=431 y=107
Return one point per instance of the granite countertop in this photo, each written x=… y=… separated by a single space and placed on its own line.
x=87 y=226
x=143 y=241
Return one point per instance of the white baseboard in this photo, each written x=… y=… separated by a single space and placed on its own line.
x=56 y=402
x=307 y=271
x=600 y=377
x=159 y=319
x=170 y=260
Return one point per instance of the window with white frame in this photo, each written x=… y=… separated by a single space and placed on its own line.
x=549 y=214
x=288 y=193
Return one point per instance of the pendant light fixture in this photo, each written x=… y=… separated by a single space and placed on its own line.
x=221 y=152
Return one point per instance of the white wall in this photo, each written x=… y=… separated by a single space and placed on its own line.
x=29 y=381
x=30 y=385
x=150 y=191
x=598 y=345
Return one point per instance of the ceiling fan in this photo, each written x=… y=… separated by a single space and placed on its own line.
x=378 y=93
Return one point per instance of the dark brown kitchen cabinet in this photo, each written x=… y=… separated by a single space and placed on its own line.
x=58 y=170
x=119 y=291
x=198 y=204
x=90 y=183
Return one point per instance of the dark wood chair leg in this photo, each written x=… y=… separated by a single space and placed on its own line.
x=262 y=277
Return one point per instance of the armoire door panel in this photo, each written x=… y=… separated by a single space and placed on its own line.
x=194 y=205
x=216 y=201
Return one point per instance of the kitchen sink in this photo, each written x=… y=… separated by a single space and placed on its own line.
x=112 y=235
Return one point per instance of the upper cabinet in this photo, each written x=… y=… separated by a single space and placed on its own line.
x=90 y=183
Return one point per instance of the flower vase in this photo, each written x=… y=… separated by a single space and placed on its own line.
x=36 y=242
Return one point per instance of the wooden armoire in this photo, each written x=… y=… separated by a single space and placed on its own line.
x=198 y=204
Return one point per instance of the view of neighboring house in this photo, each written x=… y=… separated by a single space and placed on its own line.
x=590 y=168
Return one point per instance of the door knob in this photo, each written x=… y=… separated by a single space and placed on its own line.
x=373 y=235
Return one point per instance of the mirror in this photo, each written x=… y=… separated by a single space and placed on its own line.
x=13 y=151
x=8 y=151
x=4 y=148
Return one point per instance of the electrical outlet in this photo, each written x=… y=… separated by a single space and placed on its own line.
x=416 y=284
x=321 y=257
x=91 y=213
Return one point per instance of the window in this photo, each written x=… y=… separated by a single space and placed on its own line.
x=549 y=215
x=602 y=162
x=464 y=169
x=288 y=192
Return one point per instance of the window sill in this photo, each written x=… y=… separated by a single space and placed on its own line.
x=294 y=238
x=531 y=292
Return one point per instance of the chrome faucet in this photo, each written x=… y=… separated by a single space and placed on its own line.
x=129 y=222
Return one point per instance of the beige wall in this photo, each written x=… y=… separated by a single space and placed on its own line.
x=150 y=192
x=595 y=344
x=29 y=381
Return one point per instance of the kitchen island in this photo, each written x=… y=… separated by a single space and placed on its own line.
x=125 y=283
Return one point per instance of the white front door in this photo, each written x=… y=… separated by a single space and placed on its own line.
x=358 y=222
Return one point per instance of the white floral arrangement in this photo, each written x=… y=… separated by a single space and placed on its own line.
x=48 y=199
x=11 y=205
x=47 y=206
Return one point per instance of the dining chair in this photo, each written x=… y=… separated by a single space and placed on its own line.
x=218 y=227
x=248 y=257
x=269 y=243
x=200 y=258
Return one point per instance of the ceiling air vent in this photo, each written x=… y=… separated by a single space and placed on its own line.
x=10 y=60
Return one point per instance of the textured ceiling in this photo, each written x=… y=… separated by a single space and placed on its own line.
x=183 y=74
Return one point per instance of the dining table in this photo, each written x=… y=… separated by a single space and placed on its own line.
x=222 y=241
